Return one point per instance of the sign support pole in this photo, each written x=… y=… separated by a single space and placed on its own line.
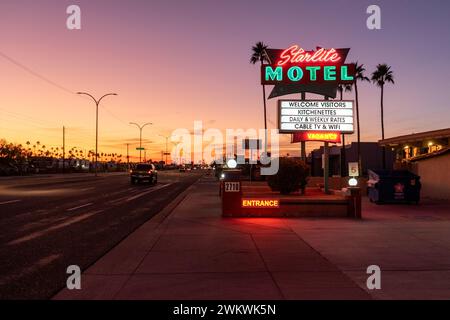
x=303 y=143
x=326 y=165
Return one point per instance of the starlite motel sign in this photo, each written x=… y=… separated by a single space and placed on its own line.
x=295 y=65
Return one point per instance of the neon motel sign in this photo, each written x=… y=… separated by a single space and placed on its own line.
x=298 y=66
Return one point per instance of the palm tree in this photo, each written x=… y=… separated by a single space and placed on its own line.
x=382 y=75
x=341 y=89
x=259 y=55
x=359 y=76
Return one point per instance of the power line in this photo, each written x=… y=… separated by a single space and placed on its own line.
x=34 y=73
x=51 y=82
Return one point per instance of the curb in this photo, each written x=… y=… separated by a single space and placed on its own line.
x=161 y=216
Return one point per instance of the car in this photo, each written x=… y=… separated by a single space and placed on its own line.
x=8 y=169
x=182 y=169
x=144 y=172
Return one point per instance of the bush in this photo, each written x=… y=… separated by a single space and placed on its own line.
x=291 y=176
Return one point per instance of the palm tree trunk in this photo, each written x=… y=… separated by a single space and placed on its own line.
x=343 y=160
x=358 y=149
x=383 y=150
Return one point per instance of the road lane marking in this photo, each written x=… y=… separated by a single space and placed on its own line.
x=31 y=269
x=10 y=201
x=82 y=206
x=147 y=192
x=87 y=189
x=66 y=223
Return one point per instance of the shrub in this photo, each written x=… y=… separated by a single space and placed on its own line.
x=291 y=176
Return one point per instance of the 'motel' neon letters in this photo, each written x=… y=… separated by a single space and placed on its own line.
x=295 y=74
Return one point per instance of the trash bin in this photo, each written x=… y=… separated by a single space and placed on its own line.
x=393 y=186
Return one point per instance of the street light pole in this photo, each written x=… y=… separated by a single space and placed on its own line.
x=140 y=136
x=167 y=138
x=97 y=102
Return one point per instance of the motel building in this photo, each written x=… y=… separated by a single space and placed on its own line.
x=371 y=158
x=426 y=154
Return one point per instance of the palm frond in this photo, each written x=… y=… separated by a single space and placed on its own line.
x=359 y=72
x=382 y=74
x=259 y=53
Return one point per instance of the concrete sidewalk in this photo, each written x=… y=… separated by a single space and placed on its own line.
x=190 y=252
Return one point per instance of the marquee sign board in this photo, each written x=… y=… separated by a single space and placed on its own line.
x=315 y=116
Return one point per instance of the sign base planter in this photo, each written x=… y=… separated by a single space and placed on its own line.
x=247 y=201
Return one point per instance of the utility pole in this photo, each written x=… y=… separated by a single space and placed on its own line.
x=97 y=102
x=128 y=156
x=140 y=136
x=167 y=139
x=166 y=151
x=64 y=148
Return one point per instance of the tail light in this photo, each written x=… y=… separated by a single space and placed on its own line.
x=150 y=171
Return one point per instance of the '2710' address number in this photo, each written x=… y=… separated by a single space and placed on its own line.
x=232 y=187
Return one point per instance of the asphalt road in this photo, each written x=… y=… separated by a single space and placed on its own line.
x=48 y=223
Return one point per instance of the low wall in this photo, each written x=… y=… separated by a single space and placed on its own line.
x=337 y=183
x=314 y=203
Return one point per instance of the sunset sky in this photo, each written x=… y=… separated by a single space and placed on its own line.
x=173 y=62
